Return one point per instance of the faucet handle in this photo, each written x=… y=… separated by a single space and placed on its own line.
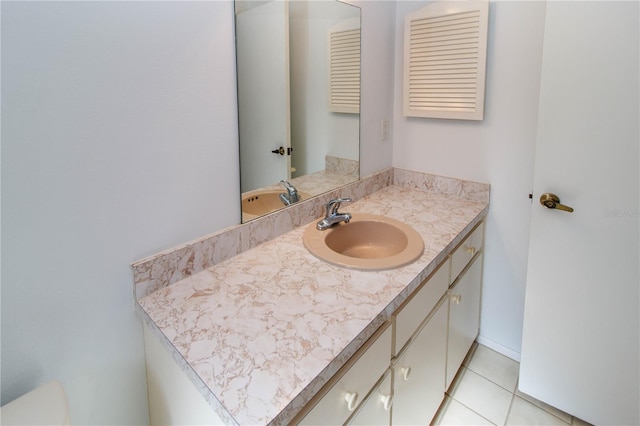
x=339 y=200
x=334 y=205
x=291 y=195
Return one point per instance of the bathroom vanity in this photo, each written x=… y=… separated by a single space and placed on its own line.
x=275 y=335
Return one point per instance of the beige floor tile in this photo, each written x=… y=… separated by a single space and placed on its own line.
x=482 y=396
x=525 y=413
x=472 y=350
x=495 y=367
x=455 y=413
x=558 y=413
x=577 y=422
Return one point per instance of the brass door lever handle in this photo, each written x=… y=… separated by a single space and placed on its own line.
x=551 y=201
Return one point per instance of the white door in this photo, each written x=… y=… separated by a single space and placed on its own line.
x=262 y=46
x=581 y=323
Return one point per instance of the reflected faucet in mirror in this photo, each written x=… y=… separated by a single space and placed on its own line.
x=292 y=194
x=286 y=99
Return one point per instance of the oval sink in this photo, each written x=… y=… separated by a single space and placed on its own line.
x=367 y=242
x=259 y=203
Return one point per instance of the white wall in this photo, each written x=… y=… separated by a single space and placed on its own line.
x=118 y=140
x=376 y=97
x=498 y=150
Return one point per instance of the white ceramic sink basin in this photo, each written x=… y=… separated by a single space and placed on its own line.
x=367 y=242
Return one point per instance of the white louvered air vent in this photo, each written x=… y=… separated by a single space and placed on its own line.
x=445 y=57
x=344 y=69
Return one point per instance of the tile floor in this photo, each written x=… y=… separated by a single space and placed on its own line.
x=485 y=393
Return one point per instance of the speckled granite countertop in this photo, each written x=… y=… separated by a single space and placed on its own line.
x=262 y=332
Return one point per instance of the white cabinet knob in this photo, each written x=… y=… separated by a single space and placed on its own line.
x=405 y=372
x=387 y=401
x=352 y=400
x=456 y=298
x=471 y=250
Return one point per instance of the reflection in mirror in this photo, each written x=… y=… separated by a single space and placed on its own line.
x=298 y=64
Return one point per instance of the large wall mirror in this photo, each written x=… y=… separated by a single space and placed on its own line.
x=298 y=64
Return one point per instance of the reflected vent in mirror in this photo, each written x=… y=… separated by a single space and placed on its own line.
x=344 y=67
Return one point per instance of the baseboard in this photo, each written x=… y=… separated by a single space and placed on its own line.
x=492 y=344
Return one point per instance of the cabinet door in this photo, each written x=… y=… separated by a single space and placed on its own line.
x=173 y=399
x=419 y=373
x=464 y=316
x=376 y=410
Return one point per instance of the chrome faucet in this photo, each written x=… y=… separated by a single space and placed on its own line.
x=292 y=194
x=332 y=215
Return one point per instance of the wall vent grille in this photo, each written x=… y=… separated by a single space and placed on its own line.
x=445 y=56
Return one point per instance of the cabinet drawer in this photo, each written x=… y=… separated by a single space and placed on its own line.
x=416 y=309
x=355 y=379
x=466 y=250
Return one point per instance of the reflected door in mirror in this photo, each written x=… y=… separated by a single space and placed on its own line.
x=262 y=44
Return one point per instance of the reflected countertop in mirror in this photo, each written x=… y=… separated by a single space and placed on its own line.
x=337 y=173
x=298 y=64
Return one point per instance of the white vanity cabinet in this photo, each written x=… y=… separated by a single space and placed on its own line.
x=426 y=363
x=398 y=377
x=433 y=331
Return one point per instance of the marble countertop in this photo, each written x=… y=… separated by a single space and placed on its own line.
x=315 y=183
x=263 y=331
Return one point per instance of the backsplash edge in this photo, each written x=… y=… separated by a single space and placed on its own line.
x=459 y=188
